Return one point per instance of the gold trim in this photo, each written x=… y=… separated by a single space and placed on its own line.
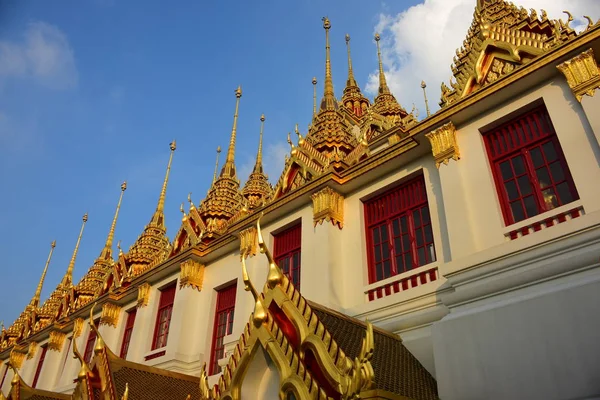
x=110 y=314
x=17 y=358
x=143 y=295
x=248 y=242
x=328 y=205
x=192 y=274
x=582 y=74
x=56 y=341
x=31 y=350
x=77 y=327
x=443 y=144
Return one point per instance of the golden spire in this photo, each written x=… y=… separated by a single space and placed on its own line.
x=329 y=102
x=229 y=167
x=158 y=217
x=107 y=250
x=314 y=82
x=351 y=81
x=423 y=86
x=217 y=164
x=35 y=302
x=68 y=278
x=383 y=87
x=258 y=168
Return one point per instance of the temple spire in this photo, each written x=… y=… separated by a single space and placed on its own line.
x=159 y=218
x=107 y=250
x=67 y=280
x=35 y=301
x=258 y=167
x=329 y=102
x=351 y=81
x=216 y=164
x=229 y=167
x=314 y=82
x=383 y=87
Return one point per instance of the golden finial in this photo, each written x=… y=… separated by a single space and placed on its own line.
x=119 y=247
x=383 y=87
x=351 y=81
x=126 y=392
x=423 y=86
x=35 y=302
x=275 y=275
x=217 y=164
x=158 y=219
x=229 y=167
x=107 y=251
x=289 y=140
x=258 y=168
x=68 y=278
x=329 y=102
x=314 y=82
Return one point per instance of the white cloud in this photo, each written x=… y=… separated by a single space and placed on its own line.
x=44 y=54
x=420 y=43
x=274 y=159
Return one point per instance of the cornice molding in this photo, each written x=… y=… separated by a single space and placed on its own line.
x=582 y=74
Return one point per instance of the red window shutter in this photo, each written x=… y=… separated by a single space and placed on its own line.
x=38 y=370
x=287 y=250
x=127 y=333
x=163 y=317
x=223 y=325
x=89 y=347
x=399 y=230
x=529 y=167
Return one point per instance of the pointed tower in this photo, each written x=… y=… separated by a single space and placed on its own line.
x=67 y=281
x=90 y=285
x=152 y=246
x=353 y=99
x=330 y=134
x=257 y=190
x=35 y=301
x=224 y=198
x=386 y=104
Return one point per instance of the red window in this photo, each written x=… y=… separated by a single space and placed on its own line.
x=223 y=325
x=163 y=318
x=39 y=366
x=287 y=248
x=529 y=167
x=89 y=347
x=128 y=330
x=399 y=234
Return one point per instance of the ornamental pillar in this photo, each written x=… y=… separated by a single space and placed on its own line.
x=583 y=77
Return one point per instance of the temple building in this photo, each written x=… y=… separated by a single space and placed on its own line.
x=454 y=257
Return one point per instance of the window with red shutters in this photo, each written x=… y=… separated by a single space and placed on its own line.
x=399 y=234
x=163 y=318
x=286 y=252
x=38 y=370
x=127 y=333
x=529 y=167
x=4 y=375
x=89 y=346
x=223 y=325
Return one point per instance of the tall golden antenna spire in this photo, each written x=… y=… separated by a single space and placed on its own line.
x=229 y=167
x=258 y=168
x=423 y=86
x=158 y=217
x=217 y=164
x=351 y=81
x=68 y=278
x=329 y=102
x=107 y=250
x=35 y=301
x=314 y=82
x=383 y=87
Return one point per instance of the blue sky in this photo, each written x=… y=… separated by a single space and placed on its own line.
x=93 y=91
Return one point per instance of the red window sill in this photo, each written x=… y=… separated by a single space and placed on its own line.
x=402 y=282
x=543 y=221
x=155 y=355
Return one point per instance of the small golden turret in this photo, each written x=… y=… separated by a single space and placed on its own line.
x=257 y=189
x=329 y=102
x=386 y=104
x=352 y=97
x=216 y=164
x=158 y=219
x=106 y=253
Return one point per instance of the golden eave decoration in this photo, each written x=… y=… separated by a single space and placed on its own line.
x=328 y=205
x=32 y=350
x=248 y=243
x=110 y=314
x=582 y=74
x=143 y=295
x=443 y=144
x=17 y=358
x=77 y=327
x=56 y=341
x=192 y=274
